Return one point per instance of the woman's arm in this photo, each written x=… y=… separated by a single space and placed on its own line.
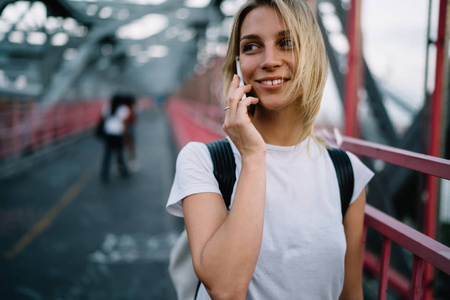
x=353 y=226
x=225 y=246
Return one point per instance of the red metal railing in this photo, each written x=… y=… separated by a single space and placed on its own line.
x=26 y=127
x=427 y=164
x=190 y=123
x=424 y=248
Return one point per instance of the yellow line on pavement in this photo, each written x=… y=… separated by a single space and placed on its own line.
x=49 y=217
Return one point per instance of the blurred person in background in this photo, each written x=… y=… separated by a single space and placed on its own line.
x=115 y=115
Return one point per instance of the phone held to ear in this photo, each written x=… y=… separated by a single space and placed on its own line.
x=239 y=72
x=251 y=108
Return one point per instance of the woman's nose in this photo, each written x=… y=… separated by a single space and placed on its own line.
x=271 y=59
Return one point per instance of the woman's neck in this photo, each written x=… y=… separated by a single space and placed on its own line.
x=281 y=128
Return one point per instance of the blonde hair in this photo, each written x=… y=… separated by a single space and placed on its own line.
x=310 y=69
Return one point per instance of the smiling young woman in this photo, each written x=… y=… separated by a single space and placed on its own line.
x=302 y=48
x=283 y=235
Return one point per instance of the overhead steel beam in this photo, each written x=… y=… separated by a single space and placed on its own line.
x=69 y=70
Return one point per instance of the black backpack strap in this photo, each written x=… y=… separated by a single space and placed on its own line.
x=344 y=173
x=224 y=167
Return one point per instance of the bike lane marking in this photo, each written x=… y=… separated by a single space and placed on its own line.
x=50 y=216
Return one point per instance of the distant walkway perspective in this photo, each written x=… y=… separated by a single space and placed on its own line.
x=65 y=235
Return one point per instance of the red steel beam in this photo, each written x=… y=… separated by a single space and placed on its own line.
x=353 y=79
x=436 y=98
x=432 y=185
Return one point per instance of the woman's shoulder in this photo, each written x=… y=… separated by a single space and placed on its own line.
x=193 y=148
x=196 y=153
x=194 y=175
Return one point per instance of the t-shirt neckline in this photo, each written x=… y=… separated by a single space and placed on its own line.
x=298 y=147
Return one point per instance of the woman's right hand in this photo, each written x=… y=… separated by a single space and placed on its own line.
x=238 y=123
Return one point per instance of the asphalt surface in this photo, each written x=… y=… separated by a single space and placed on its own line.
x=66 y=235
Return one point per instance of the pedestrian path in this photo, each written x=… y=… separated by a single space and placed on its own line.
x=65 y=235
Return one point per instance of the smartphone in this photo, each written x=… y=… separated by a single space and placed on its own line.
x=239 y=72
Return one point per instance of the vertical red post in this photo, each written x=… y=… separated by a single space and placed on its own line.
x=384 y=268
x=33 y=124
x=15 y=126
x=416 y=279
x=354 y=78
x=435 y=137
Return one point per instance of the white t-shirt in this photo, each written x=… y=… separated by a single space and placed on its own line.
x=303 y=247
x=115 y=124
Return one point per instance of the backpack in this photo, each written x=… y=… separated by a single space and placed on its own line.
x=181 y=269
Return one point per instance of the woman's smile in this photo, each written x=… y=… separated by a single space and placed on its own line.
x=272 y=83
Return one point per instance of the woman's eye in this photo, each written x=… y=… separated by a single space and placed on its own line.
x=287 y=43
x=249 y=47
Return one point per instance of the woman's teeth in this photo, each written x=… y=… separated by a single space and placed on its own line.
x=272 y=82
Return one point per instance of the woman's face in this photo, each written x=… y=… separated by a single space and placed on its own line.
x=266 y=57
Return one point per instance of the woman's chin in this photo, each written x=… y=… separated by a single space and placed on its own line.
x=274 y=103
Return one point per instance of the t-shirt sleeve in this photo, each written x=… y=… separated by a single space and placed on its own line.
x=193 y=175
x=362 y=175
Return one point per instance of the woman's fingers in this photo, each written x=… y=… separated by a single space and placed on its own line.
x=247 y=102
x=231 y=91
x=243 y=90
x=238 y=116
x=234 y=84
x=242 y=111
x=238 y=123
x=236 y=109
x=234 y=101
x=235 y=98
x=230 y=102
x=235 y=92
